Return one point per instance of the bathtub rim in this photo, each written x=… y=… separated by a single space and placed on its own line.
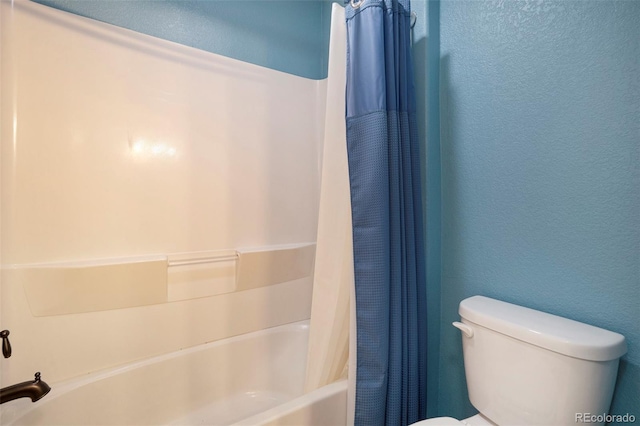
x=19 y=408
x=273 y=414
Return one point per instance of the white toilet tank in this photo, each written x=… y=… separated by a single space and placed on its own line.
x=526 y=367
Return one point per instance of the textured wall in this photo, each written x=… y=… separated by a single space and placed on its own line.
x=286 y=35
x=540 y=169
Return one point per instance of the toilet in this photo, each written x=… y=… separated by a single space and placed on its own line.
x=526 y=367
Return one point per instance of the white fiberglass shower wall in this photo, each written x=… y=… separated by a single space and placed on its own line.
x=154 y=196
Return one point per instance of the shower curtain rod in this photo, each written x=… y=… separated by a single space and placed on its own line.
x=414 y=16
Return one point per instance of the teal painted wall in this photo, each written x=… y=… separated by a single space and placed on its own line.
x=286 y=35
x=540 y=122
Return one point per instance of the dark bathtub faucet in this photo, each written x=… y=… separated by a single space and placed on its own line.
x=6 y=345
x=35 y=390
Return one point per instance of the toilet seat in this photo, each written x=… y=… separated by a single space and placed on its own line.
x=477 y=420
x=439 y=421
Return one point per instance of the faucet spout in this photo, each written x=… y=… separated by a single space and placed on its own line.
x=35 y=390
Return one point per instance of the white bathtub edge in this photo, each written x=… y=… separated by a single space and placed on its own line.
x=76 y=382
x=275 y=415
x=10 y=414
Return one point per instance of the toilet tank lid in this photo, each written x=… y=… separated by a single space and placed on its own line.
x=545 y=330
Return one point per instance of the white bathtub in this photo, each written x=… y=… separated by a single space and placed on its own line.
x=252 y=379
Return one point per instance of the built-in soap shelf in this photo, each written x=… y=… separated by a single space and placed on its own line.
x=68 y=288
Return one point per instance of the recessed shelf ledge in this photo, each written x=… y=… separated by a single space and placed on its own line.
x=96 y=285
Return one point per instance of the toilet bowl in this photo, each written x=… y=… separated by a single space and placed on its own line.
x=526 y=367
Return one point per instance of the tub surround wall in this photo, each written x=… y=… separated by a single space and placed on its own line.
x=120 y=144
x=540 y=170
x=117 y=144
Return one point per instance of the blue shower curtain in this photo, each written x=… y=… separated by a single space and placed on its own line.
x=386 y=197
